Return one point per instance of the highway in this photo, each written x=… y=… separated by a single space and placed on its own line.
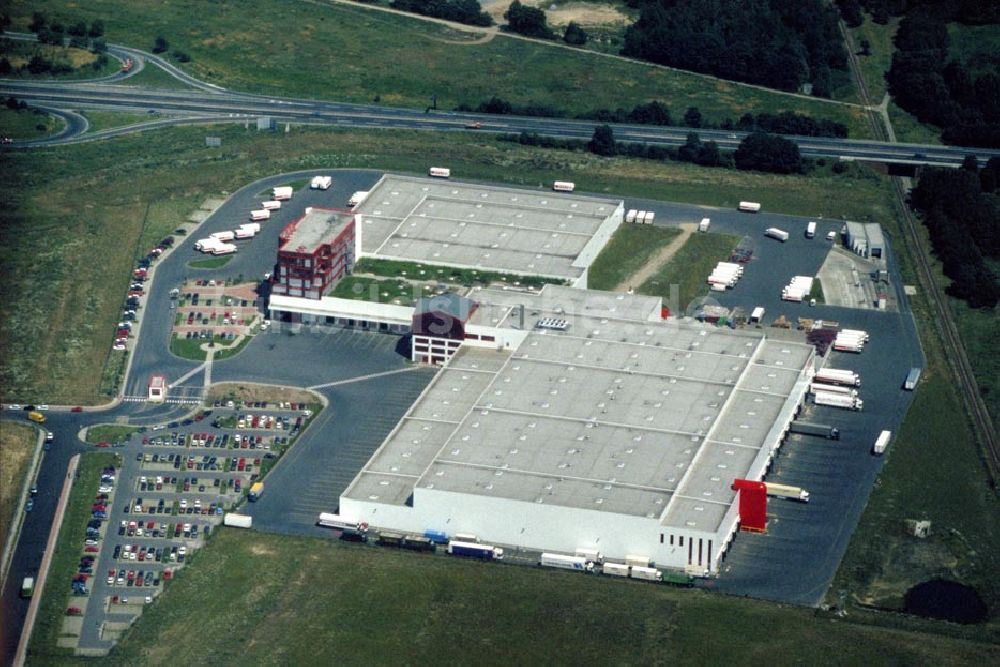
x=212 y=104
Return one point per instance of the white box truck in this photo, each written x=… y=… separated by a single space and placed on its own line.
x=237 y=520
x=563 y=186
x=637 y=561
x=252 y=226
x=320 y=182
x=578 y=563
x=223 y=236
x=439 y=172
x=631 y=215
x=357 y=198
x=282 y=193
x=749 y=206
x=615 y=569
x=704 y=224
x=270 y=205
x=776 y=233
x=881 y=442
x=224 y=249
x=810 y=229
x=260 y=214
x=649 y=217
x=245 y=233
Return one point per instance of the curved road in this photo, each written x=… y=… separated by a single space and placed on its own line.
x=213 y=103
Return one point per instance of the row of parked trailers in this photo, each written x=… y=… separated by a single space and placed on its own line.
x=724 y=276
x=584 y=560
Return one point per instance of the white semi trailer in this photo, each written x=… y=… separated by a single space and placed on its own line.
x=838 y=400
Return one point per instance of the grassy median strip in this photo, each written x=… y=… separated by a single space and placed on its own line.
x=17 y=445
x=58 y=302
x=396 y=607
x=213 y=263
x=65 y=562
x=688 y=269
x=630 y=248
x=110 y=433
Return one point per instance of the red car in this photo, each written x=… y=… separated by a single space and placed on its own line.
x=167 y=574
x=103 y=444
x=91 y=550
x=74 y=611
x=78 y=408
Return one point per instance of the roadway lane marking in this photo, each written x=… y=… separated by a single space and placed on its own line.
x=362 y=378
x=194 y=371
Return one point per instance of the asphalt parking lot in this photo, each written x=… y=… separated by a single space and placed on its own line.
x=798 y=557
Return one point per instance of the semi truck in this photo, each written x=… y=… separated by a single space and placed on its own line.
x=282 y=193
x=838 y=376
x=776 y=233
x=784 y=491
x=833 y=389
x=838 y=400
x=256 y=491
x=321 y=183
x=821 y=430
x=564 y=562
x=592 y=555
x=645 y=573
x=439 y=172
x=563 y=186
x=810 y=230
x=474 y=550
x=237 y=520
x=260 y=214
x=749 y=207
x=881 y=442
x=329 y=520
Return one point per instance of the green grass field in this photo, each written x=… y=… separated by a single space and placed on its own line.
x=628 y=251
x=910 y=130
x=442 y=274
x=17 y=446
x=27 y=123
x=104 y=120
x=309 y=601
x=979 y=329
x=363 y=288
x=57 y=594
x=56 y=338
x=352 y=53
x=688 y=269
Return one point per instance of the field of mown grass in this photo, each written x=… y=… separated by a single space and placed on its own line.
x=19 y=53
x=875 y=66
x=353 y=53
x=630 y=248
x=307 y=601
x=114 y=199
x=17 y=446
x=688 y=269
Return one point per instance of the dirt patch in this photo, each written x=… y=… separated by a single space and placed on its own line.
x=583 y=13
x=649 y=269
x=250 y=393
x=260 y=550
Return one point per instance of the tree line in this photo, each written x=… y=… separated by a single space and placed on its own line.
x=961 y=210
x=468 y=12
x=963 y=100
x=773 y=43
x=759 y=151
x=658 y=113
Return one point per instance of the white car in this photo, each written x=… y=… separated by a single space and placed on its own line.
x=183 y=504
x=111 y=580
x=182 y=551
x=105 y=489
x=13 y=406
x=43 y=407
x=149 y=598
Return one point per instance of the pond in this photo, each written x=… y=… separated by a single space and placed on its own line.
x=946 y=600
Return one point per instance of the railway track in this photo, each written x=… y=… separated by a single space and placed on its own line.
x=954 y=348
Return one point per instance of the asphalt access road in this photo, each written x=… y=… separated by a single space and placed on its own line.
x=151 y=354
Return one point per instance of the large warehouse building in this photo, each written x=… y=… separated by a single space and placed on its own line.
x=574 y=419
x=488 y=228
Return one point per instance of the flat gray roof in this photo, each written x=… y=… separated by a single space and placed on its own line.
x=483 y=227
x=646 y=419
x=316 y=227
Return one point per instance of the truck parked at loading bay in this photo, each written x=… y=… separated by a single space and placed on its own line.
x=474 y=550
x=822 y=430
